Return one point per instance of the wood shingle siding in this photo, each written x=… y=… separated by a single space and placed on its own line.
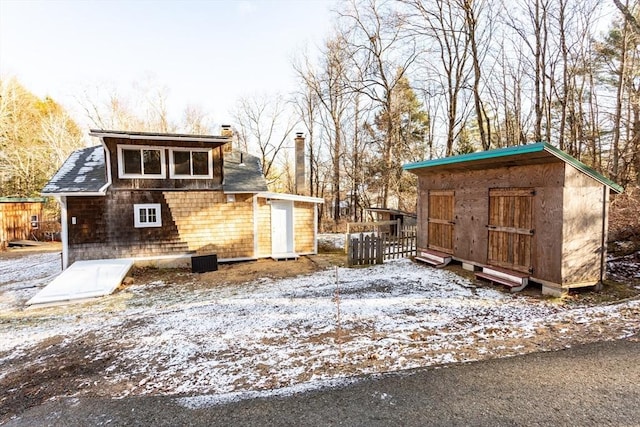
x=211 y=224
x=304 y=227
x=104 y=227
x=264 y=227
x=167 y=183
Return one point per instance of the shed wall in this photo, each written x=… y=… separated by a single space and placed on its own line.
x=15 y=220
x=582 y=230
x=471 y=211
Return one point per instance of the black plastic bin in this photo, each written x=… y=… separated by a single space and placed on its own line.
x=204 y=263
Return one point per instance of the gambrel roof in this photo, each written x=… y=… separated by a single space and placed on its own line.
x=84 y=174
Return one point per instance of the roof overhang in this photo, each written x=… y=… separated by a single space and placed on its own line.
x=75 y=194
x=22 y=200
x=531 y=154
x=159 y=136
x=292 y=197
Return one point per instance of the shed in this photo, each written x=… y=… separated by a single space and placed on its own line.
x=19 y=218
x=515 y=214
x=388 y=214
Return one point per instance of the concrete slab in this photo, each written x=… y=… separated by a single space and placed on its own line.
x=84 y=279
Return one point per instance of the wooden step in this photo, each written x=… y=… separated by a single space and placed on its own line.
x=285 y=256
x=435 y=258
x=514 y=280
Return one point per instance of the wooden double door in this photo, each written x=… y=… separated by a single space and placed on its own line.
x=511 y=228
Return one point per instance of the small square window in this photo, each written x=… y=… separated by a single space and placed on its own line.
x=147 y=215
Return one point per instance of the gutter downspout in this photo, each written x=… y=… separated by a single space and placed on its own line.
x=107 y=162
x=603 y=242
x=64 y=232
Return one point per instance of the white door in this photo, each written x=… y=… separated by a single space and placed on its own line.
x=281 y=227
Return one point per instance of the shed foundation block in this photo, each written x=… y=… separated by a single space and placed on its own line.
x=468 y=266
x=553 y=291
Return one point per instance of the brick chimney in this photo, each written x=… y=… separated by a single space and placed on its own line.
x=225 y=130
x=301 y=176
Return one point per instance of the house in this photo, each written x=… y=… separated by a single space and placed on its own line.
x=515 y=214
x=161 y=198
x=19 y=218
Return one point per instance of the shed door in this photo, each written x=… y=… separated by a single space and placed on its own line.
x=441 y=221
x=281 y=227
x=510 y=228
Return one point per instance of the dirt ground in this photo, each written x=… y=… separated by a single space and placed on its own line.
x=66 y=369
x=242 y=272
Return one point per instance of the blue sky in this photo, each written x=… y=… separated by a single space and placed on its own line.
x=206 y=53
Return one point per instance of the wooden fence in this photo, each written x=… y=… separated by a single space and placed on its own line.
x=374 y=248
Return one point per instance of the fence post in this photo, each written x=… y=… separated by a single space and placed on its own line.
x=379 y=251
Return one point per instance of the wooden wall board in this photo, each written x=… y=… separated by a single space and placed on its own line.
x=582 y=230
x=472 y=210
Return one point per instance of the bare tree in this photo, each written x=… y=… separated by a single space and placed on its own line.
x=382 y=53
x=446 y=26
x=264 y=123
x=472 y=12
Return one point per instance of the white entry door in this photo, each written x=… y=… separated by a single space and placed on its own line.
x=281 y=227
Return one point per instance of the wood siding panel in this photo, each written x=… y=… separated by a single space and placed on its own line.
x=472 y=210
x=582 y=231
x=304 y=227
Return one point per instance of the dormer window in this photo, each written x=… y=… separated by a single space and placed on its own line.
x=140 y=162
x=190 y=164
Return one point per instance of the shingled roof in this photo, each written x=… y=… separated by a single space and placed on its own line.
x=243 y=174
x=84 y=174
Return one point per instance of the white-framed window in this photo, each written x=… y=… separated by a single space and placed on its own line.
x=147 y=215
x=190 y=163
x=135 y=161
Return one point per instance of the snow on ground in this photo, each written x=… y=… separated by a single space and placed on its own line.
x=334 y=240
x=225 y=341
x=25 y=276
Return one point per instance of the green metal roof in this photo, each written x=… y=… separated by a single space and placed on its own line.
x=515 y=151
x=22 y=199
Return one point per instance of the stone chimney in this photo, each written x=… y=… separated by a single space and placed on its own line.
x=301 y=176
